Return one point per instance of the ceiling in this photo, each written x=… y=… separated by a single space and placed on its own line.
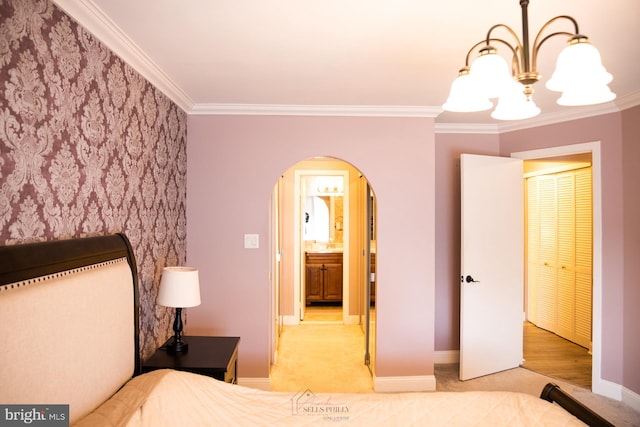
x=368 y=57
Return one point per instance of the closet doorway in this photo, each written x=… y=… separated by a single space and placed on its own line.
x=563 y=286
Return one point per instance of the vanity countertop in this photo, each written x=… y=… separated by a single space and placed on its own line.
x=324 y=251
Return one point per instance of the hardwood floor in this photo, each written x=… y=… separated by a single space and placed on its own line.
x=551 y=355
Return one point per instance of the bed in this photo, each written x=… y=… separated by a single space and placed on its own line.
x=69 y=322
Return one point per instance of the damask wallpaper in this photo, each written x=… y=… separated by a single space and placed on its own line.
x=88 y=147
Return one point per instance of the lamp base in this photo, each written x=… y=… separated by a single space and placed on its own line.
x=177 y=347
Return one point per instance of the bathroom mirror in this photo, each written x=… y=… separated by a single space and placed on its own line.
x=323 y=210
x=323 y=219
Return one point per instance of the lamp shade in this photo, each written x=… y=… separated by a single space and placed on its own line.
x=465 y=96
x=179 y=287
x=579 y=67
x=491 y=73
x=515 y=105
x=595 y=95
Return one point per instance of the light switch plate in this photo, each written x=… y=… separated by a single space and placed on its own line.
x=251 y=241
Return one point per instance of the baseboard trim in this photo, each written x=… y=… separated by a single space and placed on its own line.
x=404 y=384
x=294 y=321
x=607 y=389
x=352 y=320
x=290 y=320
x=631 y=398
x=257 y=383
x=447 y=356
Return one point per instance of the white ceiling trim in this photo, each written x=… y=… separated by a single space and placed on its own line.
x=87 y=14
x=568 y=114
x=316 y=110
x=471 y=128
x=574 y=113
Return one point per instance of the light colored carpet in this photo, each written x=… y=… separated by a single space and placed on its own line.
x=329 y=358
x=321 y=358
x=526 y=381
x=323 y=314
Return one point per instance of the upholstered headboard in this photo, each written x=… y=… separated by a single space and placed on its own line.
x=68 y=321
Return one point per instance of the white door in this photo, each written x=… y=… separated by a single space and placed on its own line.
x=492 y=288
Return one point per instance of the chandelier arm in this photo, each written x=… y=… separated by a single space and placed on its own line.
x=538 y=41
x=536 y=48
x=509 y=30
x=518 y=62
x=486 y=43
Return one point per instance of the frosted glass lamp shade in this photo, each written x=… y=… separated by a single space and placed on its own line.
x=464 y=96
x=580 y=96
x=491 y=73
x=179 y=287
x=580 y=75
x=515 y=105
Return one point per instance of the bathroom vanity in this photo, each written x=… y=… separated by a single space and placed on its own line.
x=323 y=277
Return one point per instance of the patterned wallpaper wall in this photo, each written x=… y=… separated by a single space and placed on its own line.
x=88 y=147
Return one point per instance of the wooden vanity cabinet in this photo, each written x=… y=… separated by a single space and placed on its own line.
x=323 y=277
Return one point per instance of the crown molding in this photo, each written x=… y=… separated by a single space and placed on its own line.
x=471 y=128
x=565 y=115
x=629 y=101
x=91 y=17
x=316 y=110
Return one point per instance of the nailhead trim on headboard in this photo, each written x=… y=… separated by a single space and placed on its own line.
x=41 y=279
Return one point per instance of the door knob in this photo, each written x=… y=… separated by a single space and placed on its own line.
x=470 y=279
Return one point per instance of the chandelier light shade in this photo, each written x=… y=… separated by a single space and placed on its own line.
x=465 y=95
x=179 y=288
x=514 y=104
x=491 y=72
x=579 y=73
x=578 y=67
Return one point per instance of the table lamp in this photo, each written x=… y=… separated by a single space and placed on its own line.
x=179 y=288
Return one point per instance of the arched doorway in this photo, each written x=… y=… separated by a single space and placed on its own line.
x=302 y=202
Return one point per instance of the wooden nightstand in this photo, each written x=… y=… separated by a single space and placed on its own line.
x=215 y=357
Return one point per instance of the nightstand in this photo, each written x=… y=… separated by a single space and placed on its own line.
x=215 y=357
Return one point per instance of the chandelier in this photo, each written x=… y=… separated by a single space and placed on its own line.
x=579 y=73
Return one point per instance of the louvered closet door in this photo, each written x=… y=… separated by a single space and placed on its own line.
x=566 y=291
x=559 y=252
x=547 y=271
x=584 y=257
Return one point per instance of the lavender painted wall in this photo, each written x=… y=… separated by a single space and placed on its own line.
x=448 y=150
x=608 y=130
x=234 y=162
x=631 y=194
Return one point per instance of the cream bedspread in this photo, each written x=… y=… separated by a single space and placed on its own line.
x=173 y=398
